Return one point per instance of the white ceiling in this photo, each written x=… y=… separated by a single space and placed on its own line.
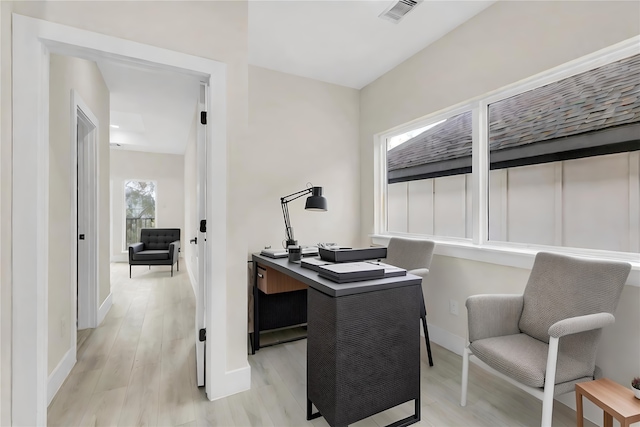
x=154 y=109
x=341 y=42
x=344 y=42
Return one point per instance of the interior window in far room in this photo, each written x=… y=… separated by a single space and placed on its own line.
x=429 y=179
x=565 y=162
x=140 y=206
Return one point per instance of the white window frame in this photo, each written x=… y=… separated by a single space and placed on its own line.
x=124 y=209
x=479 y=248
x=380 y=157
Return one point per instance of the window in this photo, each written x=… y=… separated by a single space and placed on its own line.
x=564 y=161
x=562 y=166
x=140 y=205
x=428 y=178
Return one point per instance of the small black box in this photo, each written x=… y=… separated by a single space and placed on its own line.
x=352 y=255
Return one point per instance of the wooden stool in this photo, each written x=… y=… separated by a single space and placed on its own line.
x=615 y=400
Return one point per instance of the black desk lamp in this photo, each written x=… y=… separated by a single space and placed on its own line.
x=315 y=202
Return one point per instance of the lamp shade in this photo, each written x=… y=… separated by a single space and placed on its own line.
x=316 y=202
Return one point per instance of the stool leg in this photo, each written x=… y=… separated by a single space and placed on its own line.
x=579 y=414
x=426 y=339
x=608 y=420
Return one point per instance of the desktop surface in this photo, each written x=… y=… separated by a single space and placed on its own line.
x=326 y=286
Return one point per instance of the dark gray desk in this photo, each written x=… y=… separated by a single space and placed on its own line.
x=363 y=344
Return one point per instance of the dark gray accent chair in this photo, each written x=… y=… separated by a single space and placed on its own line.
x=157 y=246
x=546 y=339
x=414 y=256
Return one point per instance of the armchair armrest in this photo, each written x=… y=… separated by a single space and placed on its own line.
x=574 y=325
x=134 y=248
x=493 y=315
x=173 y=250
x=422 y=272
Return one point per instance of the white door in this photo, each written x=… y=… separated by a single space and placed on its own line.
x=81 y=214
x=86 y=233
x=202 y=235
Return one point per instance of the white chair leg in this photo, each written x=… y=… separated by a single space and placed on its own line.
x=465 y=375
x=549 y=382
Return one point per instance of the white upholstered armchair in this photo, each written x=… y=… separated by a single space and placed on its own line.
x=547 y=338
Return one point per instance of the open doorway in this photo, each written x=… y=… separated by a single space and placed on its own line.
x=136 y=136
x=33 y=41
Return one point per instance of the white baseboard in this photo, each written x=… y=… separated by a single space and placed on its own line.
x=120 y=258
x=60 y=373
x=444 y=338
x=232 y=382
x=104 y=309
x=192 y=277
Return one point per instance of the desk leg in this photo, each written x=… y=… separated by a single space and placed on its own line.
x=608 y=420
x=310 y=414
x=579 y=414
x=256 y=317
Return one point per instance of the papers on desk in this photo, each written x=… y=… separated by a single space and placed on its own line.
x=356 y=271
x=390 y=270
x=275 y=253
x=282 y=253
x=313 y=263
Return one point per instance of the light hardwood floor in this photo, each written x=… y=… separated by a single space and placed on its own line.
x=138 y=369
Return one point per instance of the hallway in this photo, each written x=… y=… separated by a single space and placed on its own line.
x=138 y=367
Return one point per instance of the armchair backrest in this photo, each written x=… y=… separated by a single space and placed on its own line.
x=410 y=254
x=561 y=287
x=159 y=238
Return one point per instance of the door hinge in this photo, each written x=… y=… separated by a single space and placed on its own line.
x=203 y=226
x=203 y=335
x=81 y=237
x=203 y=117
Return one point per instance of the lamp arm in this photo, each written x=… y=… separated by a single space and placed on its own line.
x=284 y=201
x=298 y=194
x=287 y=222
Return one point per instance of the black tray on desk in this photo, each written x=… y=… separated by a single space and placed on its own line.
x=351 y=255
x=351 y=272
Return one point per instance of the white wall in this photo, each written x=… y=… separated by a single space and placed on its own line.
x=301 y=130
x=435 y=206
x=398 y=215
x=505 y=43
x=167 y=170
x=67 y=73
x=582 y=203
x=585 y=203
x=5 y=215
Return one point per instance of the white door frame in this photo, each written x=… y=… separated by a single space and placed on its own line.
x=87 y=289
x=33 y=39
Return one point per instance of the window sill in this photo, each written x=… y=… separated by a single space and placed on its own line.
x=512 y=256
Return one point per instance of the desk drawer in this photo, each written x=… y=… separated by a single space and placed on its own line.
x=262 y=278
x=271 y=281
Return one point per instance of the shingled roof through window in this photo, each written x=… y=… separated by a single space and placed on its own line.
x=603 y=98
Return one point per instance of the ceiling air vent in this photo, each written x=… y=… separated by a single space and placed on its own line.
x=398 y=10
